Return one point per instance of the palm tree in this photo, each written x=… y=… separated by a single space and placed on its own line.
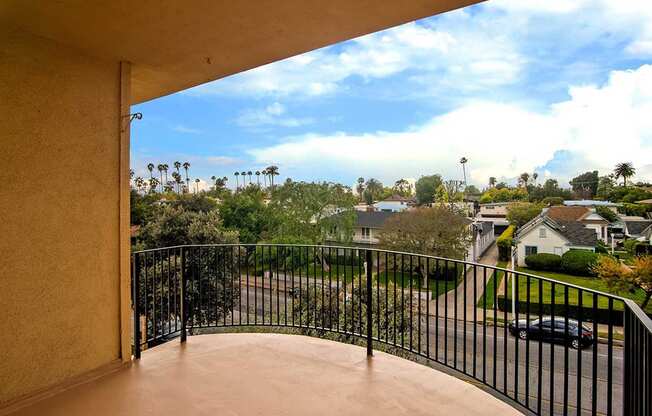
x=139 y=182
x=258 y=177
x=492 y=181
x=186 y=166
x=165 y=170
x=524 y=179
x=196 y=185
x=131 y=173
x=237 y=184
x=534 y=177
x=160 y=171
x=244 y=178
x=624 y=170
x=463 y=161
x=150 y=168
x=272 y=171
x=177 y=180
x=264 y=173
x=360 y=187
x=249 y=173
x=177 y=166
x=153 y=183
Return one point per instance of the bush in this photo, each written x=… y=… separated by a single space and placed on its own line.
x=579 y=262
x=543 y=261
x=504 y=243
x=552 y=200
x=630 y=245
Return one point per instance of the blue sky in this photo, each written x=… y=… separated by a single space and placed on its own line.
x=549 y=86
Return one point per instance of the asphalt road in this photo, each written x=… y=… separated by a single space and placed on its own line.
x=447 y=339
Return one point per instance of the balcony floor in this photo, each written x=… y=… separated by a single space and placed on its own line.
x=270 y=374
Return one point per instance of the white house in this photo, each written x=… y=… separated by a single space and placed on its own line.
x=394 y=203
x=586 y=216
x=483 y=237
x=368 y=225
x=589 y=203
x=545 y=235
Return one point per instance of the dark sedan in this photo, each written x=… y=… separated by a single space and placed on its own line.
x=555 y=332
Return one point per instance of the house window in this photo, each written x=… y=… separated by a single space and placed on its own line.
x=542 y=232
x=530 y=250
x=366 y=233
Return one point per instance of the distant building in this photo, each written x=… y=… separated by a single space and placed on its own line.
x=395 y=203
x=495 y=212
x=368 y=225
x=483 y=236
x=589 y=203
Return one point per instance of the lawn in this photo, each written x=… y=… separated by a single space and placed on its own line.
x=403 y=280
x=573 y=294
x=494 y=281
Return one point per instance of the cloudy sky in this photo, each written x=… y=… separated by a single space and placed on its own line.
x=552 y=86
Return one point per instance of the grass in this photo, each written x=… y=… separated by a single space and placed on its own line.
x=437 y=287
x=588 y=282
x=488 y=296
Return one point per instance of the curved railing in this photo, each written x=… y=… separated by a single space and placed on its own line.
x=489 y=324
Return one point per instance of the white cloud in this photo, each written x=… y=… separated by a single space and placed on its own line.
x=222 y=160
x=603 y=125
x=186 y=130
x=272 y=115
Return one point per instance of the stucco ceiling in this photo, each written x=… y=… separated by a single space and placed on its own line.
x=175 y=44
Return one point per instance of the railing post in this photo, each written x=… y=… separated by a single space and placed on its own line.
x=135 y=268
x=368 y=270
x=184 y=305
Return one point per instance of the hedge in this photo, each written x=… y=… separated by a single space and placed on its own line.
x=602 y=316
x=578 y=262
x=543 y=261
x=504 y=243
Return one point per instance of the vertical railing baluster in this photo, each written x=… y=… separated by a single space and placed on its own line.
x=566 y=341
x=369 y=308
x=446 y=313
x=594 y=373
x=580 y=306
x=464 y=321
x=183 y=296
x=552 y=349
x=428 y=307
x=527 y=343
x=610 y=337
x=540 y=366
x=455 y=317
x=516 y=339
x=135 y=267
x=475 y=319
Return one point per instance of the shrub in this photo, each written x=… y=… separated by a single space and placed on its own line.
x=504 y=243
x=543 y=261
x=630 y=246
x=552 y=200
x=578 y=262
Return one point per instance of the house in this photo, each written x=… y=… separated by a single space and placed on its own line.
x=483 y=237
x=589 y=203
x=395 y=203
x=637 y=227
x=586 y=216
x=368 y=225
x=495 y=212
x=546 y=235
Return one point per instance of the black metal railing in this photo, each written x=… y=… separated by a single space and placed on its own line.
x=546 y=346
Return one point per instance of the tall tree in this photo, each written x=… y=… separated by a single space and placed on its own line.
x=237 y=184
x=586 y=184
x=186 y=166
x=426 y=187
x=624 y=170
x=360 y=187
x=524 y=179
x=197 y=185
x=492 y=181
x=463 y=162
x=165 y=170
x=249 y=173
x=258 y=177
x=272 y=171
x=402 y=187
x=150 y=168
x=160 y=171
x=373 y=190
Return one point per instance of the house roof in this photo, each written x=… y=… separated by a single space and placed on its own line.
x=399 y=198
x=372 y=219
x=590 y=203
x=638 y=227
x=567 y=213
x=573 y=231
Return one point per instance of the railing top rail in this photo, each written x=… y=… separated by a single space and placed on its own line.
x=631 y=304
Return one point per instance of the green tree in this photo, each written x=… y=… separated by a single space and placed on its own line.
x=247 y=213
x=426 y=187
x=402 y=187
x=624 y=170
x=623 y=279
x=311 y=212
x=519 y=213
x=373 y=190
x=492 y=181
x=585 y=186
x=606 y=185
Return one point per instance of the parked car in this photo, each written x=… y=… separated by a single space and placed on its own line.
x=555 y=332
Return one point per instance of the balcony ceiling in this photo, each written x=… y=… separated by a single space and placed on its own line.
x=271 y=374
x=175 y=44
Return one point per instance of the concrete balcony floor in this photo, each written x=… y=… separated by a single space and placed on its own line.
x=270 y=374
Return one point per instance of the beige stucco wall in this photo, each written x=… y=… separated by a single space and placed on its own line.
x=59 y=207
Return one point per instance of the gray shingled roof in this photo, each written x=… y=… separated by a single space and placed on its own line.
x=637 y=227
x=372 y=219
x=577 y=233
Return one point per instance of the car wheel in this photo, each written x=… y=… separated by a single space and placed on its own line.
x=575 y=344
x=522 y=334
